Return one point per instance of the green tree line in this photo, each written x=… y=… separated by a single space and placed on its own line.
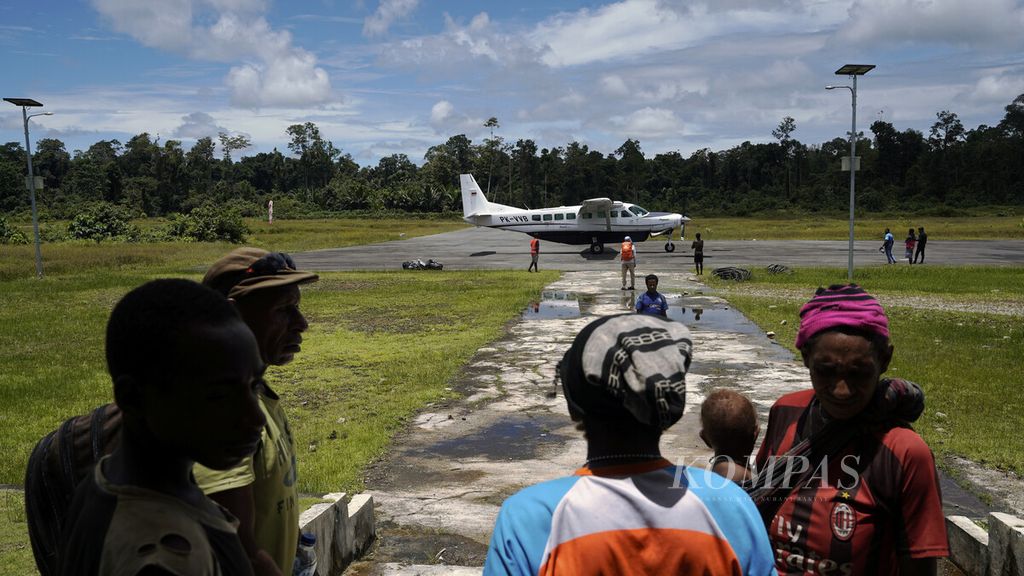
x=950 y=167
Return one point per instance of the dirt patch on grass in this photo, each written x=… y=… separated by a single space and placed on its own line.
x=916 y=301
x=399 y=544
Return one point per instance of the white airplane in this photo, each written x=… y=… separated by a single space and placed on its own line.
x=596 y=222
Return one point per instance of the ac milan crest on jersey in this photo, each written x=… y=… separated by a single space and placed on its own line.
x=844 y=521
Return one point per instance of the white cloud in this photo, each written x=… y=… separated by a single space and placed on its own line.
x=649 y=123
x=166 y=25
x=440 y=112
x=477 y=43
x=614 y=85
x=197 y=125
x=632 y=28
x=445 y=119
x=273 y=72
x=656 y=83
x=999 y=87
x=957 y=22
x=388 y=11
x=292 y=80
x=613 y=31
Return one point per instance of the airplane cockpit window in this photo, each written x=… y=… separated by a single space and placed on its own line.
x=535 y=217
x=559 y=216
x=547 y=217
x=638 y=210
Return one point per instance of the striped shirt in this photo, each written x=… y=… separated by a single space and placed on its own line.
x=872 y=502
x=648 y=518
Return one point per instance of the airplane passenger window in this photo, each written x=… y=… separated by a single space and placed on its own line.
x=570 y=216
x=587 y=215
x=614 y=214
x=547 y=217
x=535 y=217
x=600 y=214
x=559 y=216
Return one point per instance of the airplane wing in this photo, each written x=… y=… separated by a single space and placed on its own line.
x=601 y=205
x=596 y=204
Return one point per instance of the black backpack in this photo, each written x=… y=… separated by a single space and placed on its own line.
x=57 y=464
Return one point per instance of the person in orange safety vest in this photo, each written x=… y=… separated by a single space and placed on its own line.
x=534 y=254
x=628 y=257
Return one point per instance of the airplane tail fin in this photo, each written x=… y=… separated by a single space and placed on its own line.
x=473 y=199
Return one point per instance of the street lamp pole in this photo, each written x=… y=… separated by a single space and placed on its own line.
x=852 y=70
x=25 y=103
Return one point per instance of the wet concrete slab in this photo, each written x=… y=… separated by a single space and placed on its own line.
x=449 y=472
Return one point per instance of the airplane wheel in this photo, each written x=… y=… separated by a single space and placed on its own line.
x=596 y=248
x=670 y=247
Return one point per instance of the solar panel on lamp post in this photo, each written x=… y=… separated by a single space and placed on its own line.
x=852 y=70
x=25 y=104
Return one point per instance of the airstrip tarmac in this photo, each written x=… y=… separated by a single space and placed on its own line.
x=488 y=249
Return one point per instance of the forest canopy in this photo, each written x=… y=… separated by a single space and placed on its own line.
x=949 y=167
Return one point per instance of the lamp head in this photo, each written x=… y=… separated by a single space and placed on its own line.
x=830 y=87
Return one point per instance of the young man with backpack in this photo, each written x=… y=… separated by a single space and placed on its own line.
x=186 y=373
x=263 y=287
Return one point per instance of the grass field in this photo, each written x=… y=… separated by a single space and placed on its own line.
x=359 y=349
x=968 y=363
x=79 y=257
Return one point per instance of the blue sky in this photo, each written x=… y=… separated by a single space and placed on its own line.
x=398 y=76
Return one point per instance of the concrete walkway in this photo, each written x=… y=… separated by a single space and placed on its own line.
x=440 y=489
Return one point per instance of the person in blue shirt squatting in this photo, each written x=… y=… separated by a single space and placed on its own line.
x=652 y=302
x=628 y=510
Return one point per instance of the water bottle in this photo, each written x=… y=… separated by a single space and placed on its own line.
x=305 y=560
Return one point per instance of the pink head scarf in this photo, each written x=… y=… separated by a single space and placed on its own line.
x=841 y=305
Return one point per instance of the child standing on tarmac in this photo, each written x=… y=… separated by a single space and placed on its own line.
x=186 y=372
x=729 y=427
x=698 y=255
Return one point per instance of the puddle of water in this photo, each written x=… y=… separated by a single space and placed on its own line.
x=516 y=437
x=553 y=304
x=719 y=319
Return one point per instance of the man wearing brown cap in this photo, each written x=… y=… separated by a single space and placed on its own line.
x=261 y=492
x=264 y=288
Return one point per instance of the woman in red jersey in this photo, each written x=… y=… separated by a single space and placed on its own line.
x=862 y=496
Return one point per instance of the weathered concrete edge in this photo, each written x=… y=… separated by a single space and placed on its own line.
x=1000 y=551
x=968 y=545
x=344 y=530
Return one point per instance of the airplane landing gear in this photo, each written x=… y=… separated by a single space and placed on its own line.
x=596 y=248
x=670 y=247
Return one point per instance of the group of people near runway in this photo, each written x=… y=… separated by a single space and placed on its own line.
x=913 y=245
x=841 y=483
x=191 y=469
